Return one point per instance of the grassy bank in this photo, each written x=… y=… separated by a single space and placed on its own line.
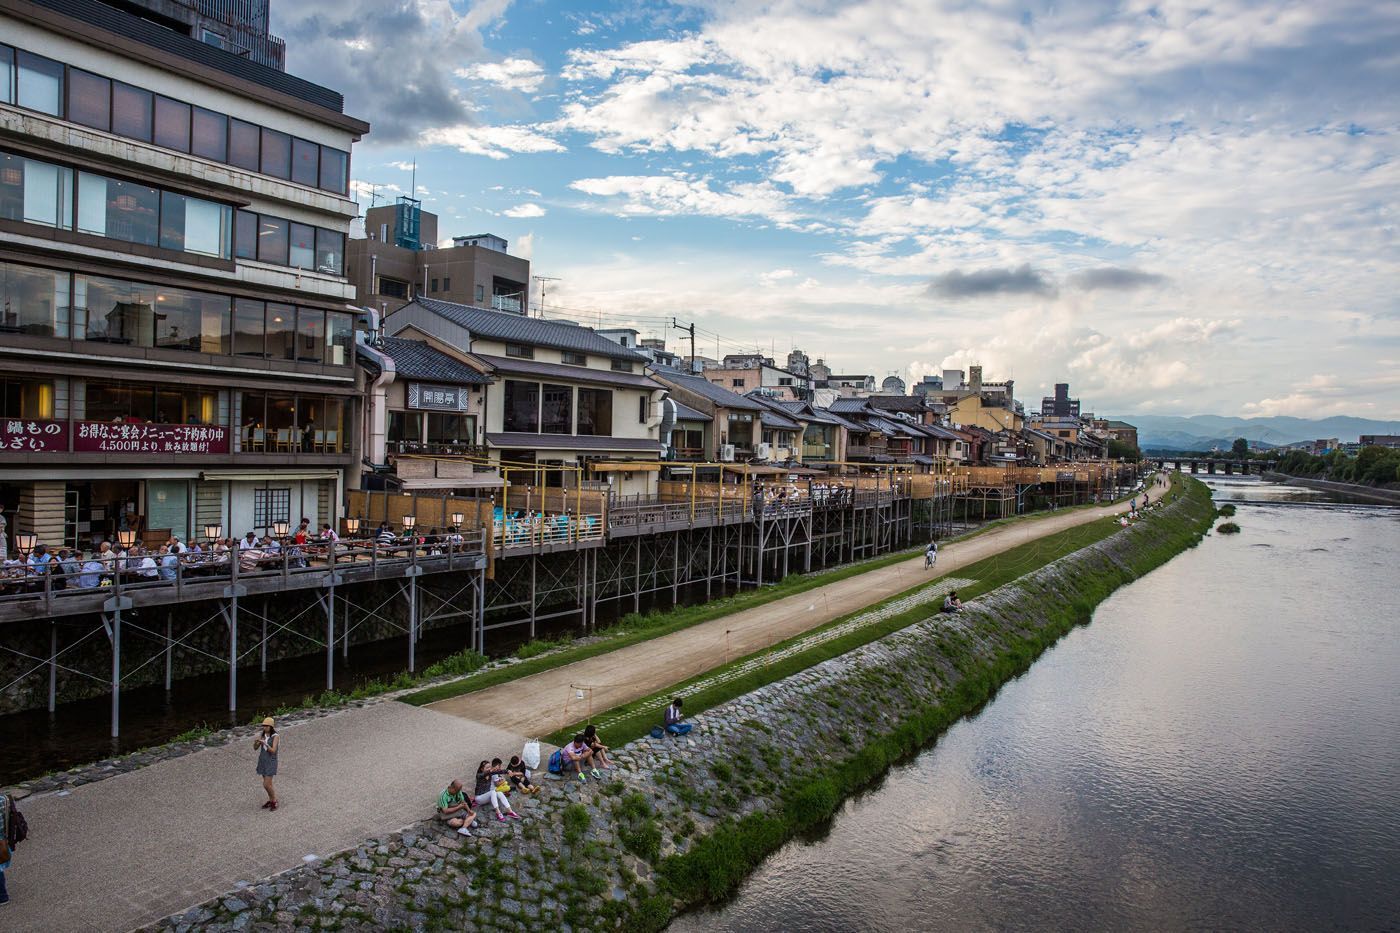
x=969 y=666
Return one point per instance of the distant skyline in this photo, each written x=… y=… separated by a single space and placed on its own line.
x=1175 y=208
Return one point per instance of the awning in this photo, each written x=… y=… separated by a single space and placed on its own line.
x=481 y=481
x=259 y=476
x=625 y=467
x=753 y=469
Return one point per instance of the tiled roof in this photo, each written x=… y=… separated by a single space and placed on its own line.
x=511 y=365
x=571 y=442
x=806 y=412
x=685 y=413
x=706 y=389
x=849 y=406
x=516 y=328
x=415 y=359
x=771 y=419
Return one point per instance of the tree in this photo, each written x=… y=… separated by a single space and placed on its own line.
x=1122 y=449
x=1240 y=448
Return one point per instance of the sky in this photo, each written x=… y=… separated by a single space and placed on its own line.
x=1176 y=207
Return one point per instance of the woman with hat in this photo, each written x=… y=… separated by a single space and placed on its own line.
x=266 y=744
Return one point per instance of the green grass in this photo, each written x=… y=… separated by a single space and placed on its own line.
x=641 y=715
x=715 y=865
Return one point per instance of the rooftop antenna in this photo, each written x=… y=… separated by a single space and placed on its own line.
x=544 y=280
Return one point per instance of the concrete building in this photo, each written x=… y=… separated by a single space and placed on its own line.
x=177 y=331
x=1380 y=440
x=1059 y=405
x=744 y=372
x=399 y=260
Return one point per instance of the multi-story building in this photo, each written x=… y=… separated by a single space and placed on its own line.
x=734 y=427
x=1059 y=405
x=177 y=329
x=399 y=259
x=742 y=373
x=1380 y=440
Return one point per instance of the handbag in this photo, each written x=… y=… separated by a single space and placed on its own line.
x=530 y=754
x=503 y=787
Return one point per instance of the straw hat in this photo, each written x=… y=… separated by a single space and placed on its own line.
x=268 y=721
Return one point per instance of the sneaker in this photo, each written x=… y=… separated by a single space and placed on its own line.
x=597 y=774
x=581 y=778
x=267 y=805
x=500 y=817
x=515 y=816
x=273 y=806
x=463 y=831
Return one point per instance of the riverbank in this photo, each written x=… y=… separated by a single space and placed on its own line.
x=1365 y=493
x=680 y=822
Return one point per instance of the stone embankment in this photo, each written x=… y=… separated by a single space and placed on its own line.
x=1380 y=494
x=680 y=822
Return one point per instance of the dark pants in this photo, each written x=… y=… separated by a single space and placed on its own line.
x=4 y=895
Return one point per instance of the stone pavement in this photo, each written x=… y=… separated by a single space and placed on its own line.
x=548 y=701
x=129 y=850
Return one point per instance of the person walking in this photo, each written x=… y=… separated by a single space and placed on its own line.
x=12 y=833
x=267 y=744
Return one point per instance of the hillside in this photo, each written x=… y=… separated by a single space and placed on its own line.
x=1202 y=432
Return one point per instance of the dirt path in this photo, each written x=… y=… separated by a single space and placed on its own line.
x=542 y=703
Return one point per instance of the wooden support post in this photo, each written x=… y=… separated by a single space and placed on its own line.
x=533 y=560
x=116 y=672
x=330 y=637
x=53 y=665
x=233 y=654
x=169 y=651
x=262 y=646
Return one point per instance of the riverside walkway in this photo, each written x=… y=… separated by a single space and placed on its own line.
x=128 y=850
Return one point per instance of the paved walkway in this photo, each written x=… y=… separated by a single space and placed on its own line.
x=131 y=849
x=542 y=703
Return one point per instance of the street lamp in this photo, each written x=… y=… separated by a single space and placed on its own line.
x=126 y=539
x=25 y=542
x=279 y=528
x=457 y=520
x=213 y=532
x=352 y=527
x=408 y=522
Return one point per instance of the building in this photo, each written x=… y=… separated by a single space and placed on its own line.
x=851 y=385
x=1380 y=440
x=1059 y=405
x=892 y=385
x=1119 y=431
x=561 y=397
x=744 y=372
x=177 y=331
x=928 y=385
x=399 y=260
x=734 y=429
x=236 y=26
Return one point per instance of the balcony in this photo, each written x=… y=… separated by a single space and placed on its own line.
x=820 y=451
x=505 y=303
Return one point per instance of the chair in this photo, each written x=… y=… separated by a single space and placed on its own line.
x=284 y=439
x=259 y=441
x=332 y=444
x=318 y=440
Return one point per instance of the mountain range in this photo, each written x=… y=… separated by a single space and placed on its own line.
x=1202 y=432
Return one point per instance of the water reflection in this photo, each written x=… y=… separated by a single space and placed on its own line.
x=1219 y=749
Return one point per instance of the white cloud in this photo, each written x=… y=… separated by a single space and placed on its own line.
x=494 y=142
x=683 y=194
x=513 y=74
x=524 y=210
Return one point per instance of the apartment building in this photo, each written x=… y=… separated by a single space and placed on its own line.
x=177 y=329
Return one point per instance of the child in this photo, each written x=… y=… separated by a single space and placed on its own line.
x=519 y=776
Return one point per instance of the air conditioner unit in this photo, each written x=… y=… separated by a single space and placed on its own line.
x=765 y=451
x=726 y=453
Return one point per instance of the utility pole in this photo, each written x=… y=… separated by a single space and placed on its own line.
x=543 y=280
x=691 y=330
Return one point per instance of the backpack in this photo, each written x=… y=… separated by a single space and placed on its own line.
x=556 y=762
x=18 y=828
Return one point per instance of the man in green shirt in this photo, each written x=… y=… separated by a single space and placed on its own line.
x=454 y=808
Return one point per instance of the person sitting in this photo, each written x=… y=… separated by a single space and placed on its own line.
x=454 y=809
x=599 y=750
x=951 y=603
x=69 y=564
x=486 y=793
x=177 y=545
x=674 y=725
x=169 y=562
x=91 y=576
x=519 y=776
x=147 y=568
x=578 y=754
x=384 y=536
x=303 y=534
x=328 y=535
x=248 y=542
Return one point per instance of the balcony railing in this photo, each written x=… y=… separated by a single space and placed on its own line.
x=505 y=303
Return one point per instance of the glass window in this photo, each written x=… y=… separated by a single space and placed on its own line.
x=28 y=398
x=522 y=407
x=305 y=162
x=330 y=252
x=451 y=428
x=209 y=135
x=520 y=351
x=35 y=192
x=311 y=335
x=332 y=421
x=340 y=338
x=272 y=240
x=557 y=414
x=116 y=401
x=117 y=311
x=33 y=301
x=172 y=221
x=131 y=111
x=595 y=412
x=573 y=359
x=334 y=166
x=276 y=154
x=405 y=427
x=622 y=366
x=245 y=235
x=7 y=74
x=281 y=331
x=40 y=83
x=248 y=329
x=207 y=227
x=243 y=144
x=446 y=284
x=281 y=421
x=302 y=254
x=480 y=293
x=191 y=320
x=435 y=283
x=172 y=124
x=253 y=415
x=123 y=210
x=89 y=99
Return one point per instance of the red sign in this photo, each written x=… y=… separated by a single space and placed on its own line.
x=17 y=434
x=119 y=438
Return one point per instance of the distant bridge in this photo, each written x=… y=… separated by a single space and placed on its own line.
x=1213 y=465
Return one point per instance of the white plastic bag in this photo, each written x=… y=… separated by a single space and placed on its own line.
x=531 y=754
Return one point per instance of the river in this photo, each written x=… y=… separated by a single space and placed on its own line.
x=1219 y=749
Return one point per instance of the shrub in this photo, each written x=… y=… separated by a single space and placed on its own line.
x=1228 y=528
x=1226 y=511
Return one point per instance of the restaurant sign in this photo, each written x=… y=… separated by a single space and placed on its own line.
x=437 y=398
x=24 y=435
x=119 y=438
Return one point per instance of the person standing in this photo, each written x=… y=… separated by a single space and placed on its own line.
x=931 y=555
x=12 y=833
x=267 y=744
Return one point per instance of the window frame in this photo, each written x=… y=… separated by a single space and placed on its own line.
x=520 y=351
x=573 y=358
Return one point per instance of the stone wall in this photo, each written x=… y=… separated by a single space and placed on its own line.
x=681 y=821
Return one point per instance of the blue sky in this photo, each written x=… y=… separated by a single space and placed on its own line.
x=1176 y=207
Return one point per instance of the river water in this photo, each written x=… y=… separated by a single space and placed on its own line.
x=1219 y=749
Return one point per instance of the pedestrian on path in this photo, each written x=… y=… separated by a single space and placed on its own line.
x=267 y=744
x=931 y=555
x=12 y=832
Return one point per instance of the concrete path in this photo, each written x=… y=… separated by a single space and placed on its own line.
x=542 y=703
x=129 y=850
